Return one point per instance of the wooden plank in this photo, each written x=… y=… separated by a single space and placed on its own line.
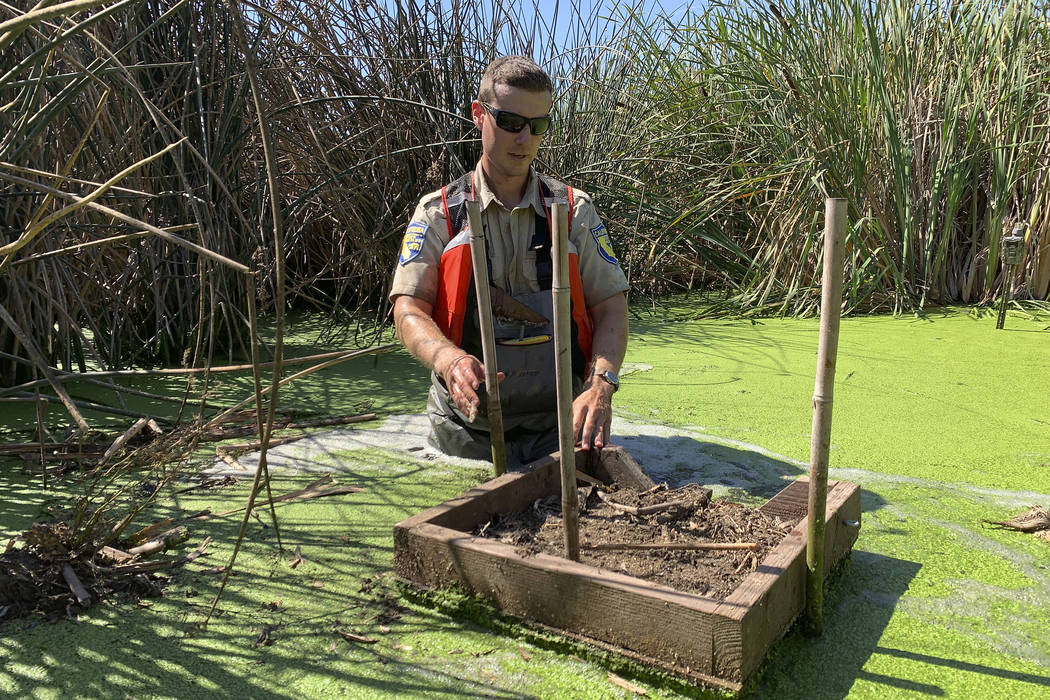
x=514 y=491
x=690 y=675
x=791 y=502
x=509 y=493
x=621 y=610
x=694 y=636
x=773 y=596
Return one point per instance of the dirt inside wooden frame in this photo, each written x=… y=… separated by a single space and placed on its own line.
x=668 y=536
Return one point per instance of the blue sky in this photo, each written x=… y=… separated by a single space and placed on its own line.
x=603 y=8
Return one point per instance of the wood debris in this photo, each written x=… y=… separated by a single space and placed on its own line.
x=264 y=638
x=55 y=571
x=298 y=557
x=354 y=638
x=1035 y=519
x=626 y=684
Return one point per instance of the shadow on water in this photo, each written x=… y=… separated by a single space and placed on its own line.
x=116 y=650
x=736 y=473
x=860 y=600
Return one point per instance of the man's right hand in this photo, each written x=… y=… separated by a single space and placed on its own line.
x=462 y=376
x=462 y=372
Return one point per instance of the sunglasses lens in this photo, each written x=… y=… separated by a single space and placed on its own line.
x=540 y=125
x=514 y=123
x=508 y=121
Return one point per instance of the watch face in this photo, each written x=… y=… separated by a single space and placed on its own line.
x=610 y=377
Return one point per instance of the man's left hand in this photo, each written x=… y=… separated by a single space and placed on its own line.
x=592 y=414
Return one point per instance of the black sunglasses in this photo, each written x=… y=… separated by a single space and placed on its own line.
x=514 y=123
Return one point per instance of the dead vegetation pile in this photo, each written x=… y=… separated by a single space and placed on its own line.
x=1035 y=520
x=87 y=550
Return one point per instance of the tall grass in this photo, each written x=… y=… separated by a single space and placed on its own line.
x=930 y=118
x=707 y=140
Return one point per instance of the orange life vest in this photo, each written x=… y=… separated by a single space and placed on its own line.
x=455 y=271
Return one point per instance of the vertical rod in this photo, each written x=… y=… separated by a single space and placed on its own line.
x=823 y=398
x=563 y=368
x=41 y=410
x=479 y=261
x=1008 y=291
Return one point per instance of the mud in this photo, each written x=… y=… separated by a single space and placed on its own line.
x=682 y=517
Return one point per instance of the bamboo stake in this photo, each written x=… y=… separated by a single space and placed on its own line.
x=563 y=368
x=823 y=395
x=479 y=260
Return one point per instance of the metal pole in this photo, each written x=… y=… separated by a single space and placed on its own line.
x=1012 y=252
x=823 y=398
x=479 y=260
x=1008 y=275
x=563 y=368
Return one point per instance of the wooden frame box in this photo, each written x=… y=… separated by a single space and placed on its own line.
x=713 y=642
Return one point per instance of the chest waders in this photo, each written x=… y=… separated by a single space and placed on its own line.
x=525 y=354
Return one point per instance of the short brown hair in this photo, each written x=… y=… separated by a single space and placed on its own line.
x=513 y=71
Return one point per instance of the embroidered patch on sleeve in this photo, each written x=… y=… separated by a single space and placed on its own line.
x=413 y=242
x=605 y=249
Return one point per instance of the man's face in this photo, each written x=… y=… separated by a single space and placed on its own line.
x=505 y=154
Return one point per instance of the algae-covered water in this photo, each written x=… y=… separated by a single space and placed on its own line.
x=941 y=419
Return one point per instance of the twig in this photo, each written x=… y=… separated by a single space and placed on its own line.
x=197 y=552
x=643 y=510
x=45 y=368
x=351 y=637
x=140 y=567
x=169 y=539
x=209 y=483
x=90 y=405
x=131 y=432
x=83 y=597
x=64 y=376
x=626 y=685
x=311 y=491
x=213 y=433
x=148 y=531
x=674 y=545
x=658 y=487
x=225 y=457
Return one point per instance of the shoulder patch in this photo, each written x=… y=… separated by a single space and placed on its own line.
x=605 y=249
x=413 y=241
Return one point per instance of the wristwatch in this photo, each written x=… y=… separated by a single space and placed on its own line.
x=609 y=376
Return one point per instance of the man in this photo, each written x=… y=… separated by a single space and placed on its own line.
x=435 y=313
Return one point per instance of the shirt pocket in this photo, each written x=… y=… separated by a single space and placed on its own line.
x=528 y=269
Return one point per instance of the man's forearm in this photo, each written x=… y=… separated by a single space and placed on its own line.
x=609 y=342
x=461 y=372
x=422 y=337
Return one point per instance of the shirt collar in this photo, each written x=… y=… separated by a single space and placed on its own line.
x=532 y=197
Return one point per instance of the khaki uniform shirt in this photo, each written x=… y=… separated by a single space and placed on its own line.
x=509 y=234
